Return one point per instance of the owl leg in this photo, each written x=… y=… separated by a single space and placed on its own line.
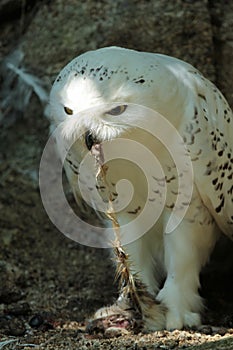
x=142 y=253
x=186 y=250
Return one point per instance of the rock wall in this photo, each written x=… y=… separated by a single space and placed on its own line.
x=63 y=29
x=51 y=33
x=221 y=13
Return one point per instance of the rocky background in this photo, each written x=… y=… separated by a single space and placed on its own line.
x=50 y=285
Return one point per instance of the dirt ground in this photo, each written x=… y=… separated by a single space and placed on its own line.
x=50 y=285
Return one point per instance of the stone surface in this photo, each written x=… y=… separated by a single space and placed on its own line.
x=64 y=29
x=222 y=23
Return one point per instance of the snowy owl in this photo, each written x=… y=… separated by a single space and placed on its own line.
x=97 y=99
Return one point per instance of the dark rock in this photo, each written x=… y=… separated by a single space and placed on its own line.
x=36 y=321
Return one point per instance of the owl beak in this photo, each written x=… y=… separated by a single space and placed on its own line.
x=89 y=140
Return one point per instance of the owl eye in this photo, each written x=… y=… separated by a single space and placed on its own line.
x=117 y=110
x=68 y=110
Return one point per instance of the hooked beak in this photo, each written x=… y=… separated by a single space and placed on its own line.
x=89 y=139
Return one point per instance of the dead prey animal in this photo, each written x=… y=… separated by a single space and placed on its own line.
x=135 y=303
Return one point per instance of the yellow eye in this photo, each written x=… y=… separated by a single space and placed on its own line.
x=117 y=110
x=68 y=110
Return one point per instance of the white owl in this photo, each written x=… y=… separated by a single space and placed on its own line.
x=102 y=89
